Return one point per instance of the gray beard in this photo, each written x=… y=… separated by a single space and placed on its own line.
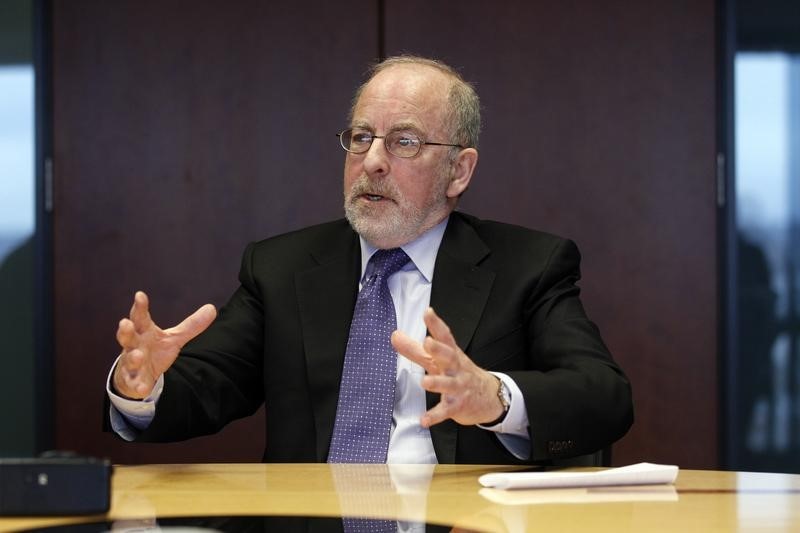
x=404 y=223
x=398 y=227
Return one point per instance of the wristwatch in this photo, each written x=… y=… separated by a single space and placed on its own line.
x=504 y=395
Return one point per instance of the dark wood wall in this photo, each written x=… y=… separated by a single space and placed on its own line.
x=183 y=130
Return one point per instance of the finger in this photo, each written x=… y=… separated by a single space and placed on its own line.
x=413 y=351
x=194 y=324
x=129 y=378
x=129 y=372
x=437 y=328
x=132 y=362
x=438 y=413
x=134 y=386
x=126 y=334
x=444 y=355
x=441 y=384
x=143 y=389
x=140 y=312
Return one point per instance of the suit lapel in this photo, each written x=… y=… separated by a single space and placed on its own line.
x=459 y=294
x=326 y=296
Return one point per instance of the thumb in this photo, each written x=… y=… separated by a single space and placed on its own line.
x=194 y=324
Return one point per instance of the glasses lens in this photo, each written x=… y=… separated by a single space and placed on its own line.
x=403 y=143
x=357 y=141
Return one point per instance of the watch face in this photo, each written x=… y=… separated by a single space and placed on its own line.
x=505 y=395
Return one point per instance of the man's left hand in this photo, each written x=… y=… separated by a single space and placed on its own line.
x=469 y=393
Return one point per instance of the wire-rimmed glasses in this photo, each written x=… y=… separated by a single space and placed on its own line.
x=402 y=143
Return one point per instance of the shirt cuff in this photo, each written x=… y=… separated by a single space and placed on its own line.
x=128 y=417
x=513 y=429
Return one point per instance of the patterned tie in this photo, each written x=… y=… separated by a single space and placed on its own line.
x=366 y=395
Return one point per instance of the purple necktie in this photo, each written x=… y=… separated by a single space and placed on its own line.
x=366 y=393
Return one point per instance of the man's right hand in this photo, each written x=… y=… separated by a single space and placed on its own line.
x=147 y=350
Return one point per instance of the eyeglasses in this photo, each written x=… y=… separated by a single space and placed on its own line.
x=402 y=143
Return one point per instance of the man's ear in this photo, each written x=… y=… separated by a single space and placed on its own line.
x=462 y=168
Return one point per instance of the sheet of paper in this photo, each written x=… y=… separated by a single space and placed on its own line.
x=638 y=474
x=583 y=495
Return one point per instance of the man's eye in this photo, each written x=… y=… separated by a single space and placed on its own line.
x=361 y=138
x=406 y=141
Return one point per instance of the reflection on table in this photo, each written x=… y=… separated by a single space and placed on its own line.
x=447 y=495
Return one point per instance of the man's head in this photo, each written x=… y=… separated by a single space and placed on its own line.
x=390 y=200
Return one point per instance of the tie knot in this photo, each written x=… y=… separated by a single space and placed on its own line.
x=387 y=262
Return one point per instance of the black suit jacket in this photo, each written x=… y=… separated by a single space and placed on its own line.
x=508 y=294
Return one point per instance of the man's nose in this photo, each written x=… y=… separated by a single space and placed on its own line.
x=376 y=159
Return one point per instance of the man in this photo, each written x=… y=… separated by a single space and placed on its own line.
x=511 y=369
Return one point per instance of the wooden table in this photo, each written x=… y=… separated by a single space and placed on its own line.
x=446 y=494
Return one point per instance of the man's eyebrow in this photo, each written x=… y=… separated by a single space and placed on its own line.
x=405 y=126
x=398 y=126
x=360 y=124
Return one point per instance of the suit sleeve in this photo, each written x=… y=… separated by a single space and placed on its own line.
x=578 y=400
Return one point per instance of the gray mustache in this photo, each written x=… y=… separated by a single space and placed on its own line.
x=364 y=186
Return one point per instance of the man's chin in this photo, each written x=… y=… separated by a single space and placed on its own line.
x=380 y=233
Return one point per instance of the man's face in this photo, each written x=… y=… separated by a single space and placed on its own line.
x=391 y=200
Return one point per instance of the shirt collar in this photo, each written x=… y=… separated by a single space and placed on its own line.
x=422 y=250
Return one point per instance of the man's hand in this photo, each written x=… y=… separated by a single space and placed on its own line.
x=147 y=350
x=469 y=393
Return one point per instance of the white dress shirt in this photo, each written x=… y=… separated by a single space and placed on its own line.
x=409 y=442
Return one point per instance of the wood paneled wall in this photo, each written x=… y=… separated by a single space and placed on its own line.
x=600 y=126
x=183 y=130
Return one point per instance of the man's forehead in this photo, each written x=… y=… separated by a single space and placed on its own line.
x=410 y=79
x=407 y=93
